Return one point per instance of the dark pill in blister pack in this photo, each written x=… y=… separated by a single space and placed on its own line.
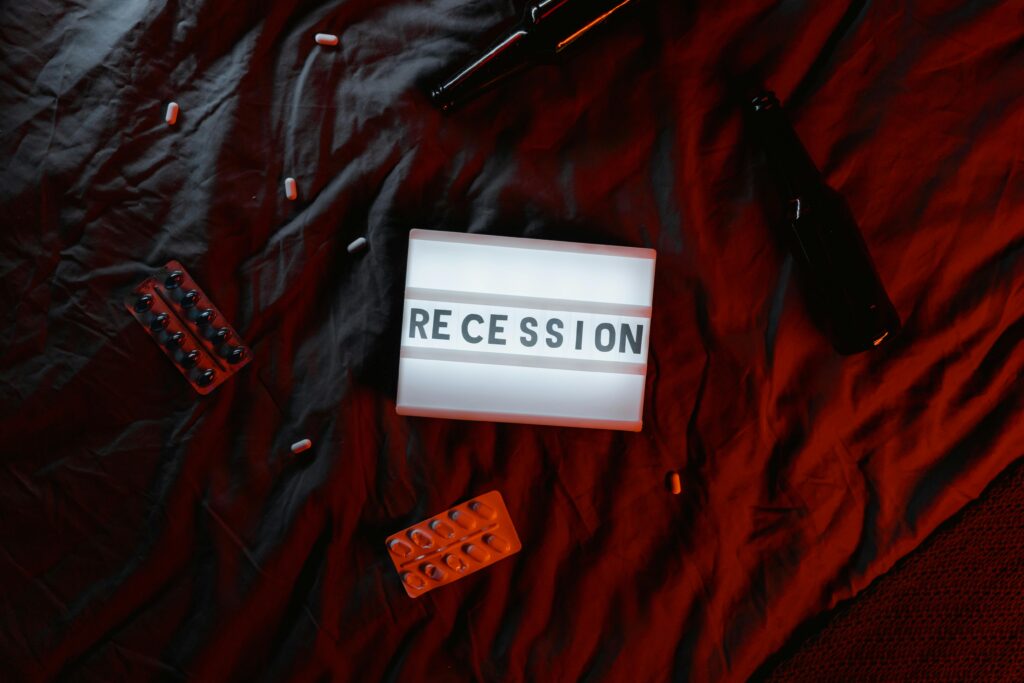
x=188 y=327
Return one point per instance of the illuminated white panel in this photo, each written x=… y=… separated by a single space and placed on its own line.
x=523 y=330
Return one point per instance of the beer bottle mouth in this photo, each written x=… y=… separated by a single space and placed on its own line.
x=441 y=98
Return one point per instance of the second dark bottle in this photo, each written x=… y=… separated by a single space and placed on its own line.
x=844 y=293
x=547 y=27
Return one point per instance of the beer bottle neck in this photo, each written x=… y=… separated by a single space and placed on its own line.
x=786 y=154
x=509 y=55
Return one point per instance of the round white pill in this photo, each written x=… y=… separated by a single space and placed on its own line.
x=326 y=39
x=291 y=190
x=171 y=117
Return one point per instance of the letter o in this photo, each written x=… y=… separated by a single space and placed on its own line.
x=611 y=337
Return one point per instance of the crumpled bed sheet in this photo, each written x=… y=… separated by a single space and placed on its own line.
x=146 y=532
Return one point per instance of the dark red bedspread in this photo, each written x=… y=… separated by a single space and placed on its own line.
x=146 y=532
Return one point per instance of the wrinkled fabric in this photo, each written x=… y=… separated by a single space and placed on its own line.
x=147 y=532
x=953 y=610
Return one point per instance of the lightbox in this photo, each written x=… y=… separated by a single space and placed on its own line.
x=523 y=330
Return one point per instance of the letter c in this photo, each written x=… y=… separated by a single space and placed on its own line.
x=472 y=339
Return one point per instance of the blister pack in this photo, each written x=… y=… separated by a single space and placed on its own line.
x=453 y=544
x=188 y=327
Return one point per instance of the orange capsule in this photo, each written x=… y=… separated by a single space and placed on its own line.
x=673 y=483
x=478 y=553
x=497 y=542
x=455 y=562
x=420 y=538
x=483 y=510
x=434 y=572
x=414 y=580
x=462 y=519
x=400 y=547
x=442 y=528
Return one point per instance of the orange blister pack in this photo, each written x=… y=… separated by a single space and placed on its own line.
x=453 y=544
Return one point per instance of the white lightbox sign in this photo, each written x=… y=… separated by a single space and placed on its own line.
x=524 y=330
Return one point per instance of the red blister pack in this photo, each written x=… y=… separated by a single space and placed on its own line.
x=183 y=321
x=453 y=544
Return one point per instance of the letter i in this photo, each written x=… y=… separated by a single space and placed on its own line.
x=579 y=335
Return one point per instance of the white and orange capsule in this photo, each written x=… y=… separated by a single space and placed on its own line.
x=171 y=117
x=291 y=189
x=326 y=39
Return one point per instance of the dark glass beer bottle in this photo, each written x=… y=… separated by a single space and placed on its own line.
x=547 y=28
x=843 y=290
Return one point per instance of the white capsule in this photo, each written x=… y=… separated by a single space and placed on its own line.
x=357 y=244
x=171 y=117
x=291 y=190
x=326 y=39
x=300 y=446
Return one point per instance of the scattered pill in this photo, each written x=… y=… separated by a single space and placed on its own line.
x=305 y=445
x=326 y=39
x=673 y=483
x=357 y=244
x=291 y=190
x=497 y=542
x=171 y=117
